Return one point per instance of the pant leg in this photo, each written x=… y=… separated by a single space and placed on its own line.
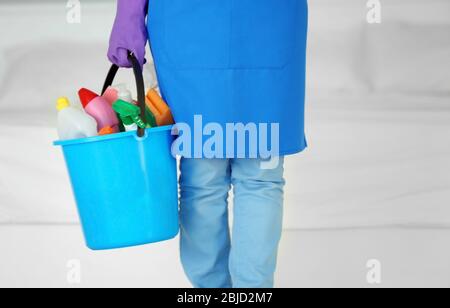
x=205 y=235
x=258 y=213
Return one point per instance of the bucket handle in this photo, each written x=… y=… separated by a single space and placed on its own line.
x=139 y=85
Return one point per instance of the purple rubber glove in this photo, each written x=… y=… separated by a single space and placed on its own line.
x=129 y=32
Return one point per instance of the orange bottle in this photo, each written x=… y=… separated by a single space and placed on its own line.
x=159 y=108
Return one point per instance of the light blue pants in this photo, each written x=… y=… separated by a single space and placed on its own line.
x=210 y=256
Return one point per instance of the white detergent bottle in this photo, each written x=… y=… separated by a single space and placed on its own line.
x=124 y=94
x=74 y=123
x=151 y=80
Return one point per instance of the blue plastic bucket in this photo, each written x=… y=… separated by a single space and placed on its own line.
x=125 y=187
x=125 y=184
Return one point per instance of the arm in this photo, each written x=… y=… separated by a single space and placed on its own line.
x=129 y=32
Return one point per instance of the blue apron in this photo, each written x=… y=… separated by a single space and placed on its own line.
x=234 y=61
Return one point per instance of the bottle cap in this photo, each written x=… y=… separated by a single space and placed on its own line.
x=107 y=130
x=62 y=103
x=86 y=96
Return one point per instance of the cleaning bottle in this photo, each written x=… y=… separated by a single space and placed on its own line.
x=116 y=92
x=129 y=113
x=111 y=95
x=151 y=80
x=73 y=123
x=124 y=94
x=100 y=109
x=159 y=108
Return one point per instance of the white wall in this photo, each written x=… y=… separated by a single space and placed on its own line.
x=377 y=112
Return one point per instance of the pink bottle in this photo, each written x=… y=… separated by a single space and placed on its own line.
x=99 y=109
x=111 y=95
x=114 y=93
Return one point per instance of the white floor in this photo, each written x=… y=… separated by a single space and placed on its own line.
x=38 y=256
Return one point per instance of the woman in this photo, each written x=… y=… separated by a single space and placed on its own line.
x=228 y=62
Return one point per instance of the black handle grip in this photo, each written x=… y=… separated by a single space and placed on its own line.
x=139 y=85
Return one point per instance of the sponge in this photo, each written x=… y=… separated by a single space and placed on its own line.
x=159 y=108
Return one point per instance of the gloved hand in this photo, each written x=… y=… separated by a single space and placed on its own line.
x=129 y=32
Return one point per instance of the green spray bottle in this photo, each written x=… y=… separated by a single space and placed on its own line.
x=131 y=114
